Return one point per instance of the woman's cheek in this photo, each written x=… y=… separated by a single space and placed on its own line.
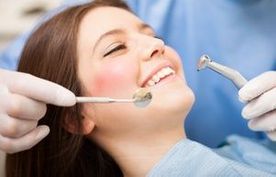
x=176 y=59
x=112 y=79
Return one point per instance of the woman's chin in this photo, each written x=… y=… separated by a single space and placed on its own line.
x=173 y=98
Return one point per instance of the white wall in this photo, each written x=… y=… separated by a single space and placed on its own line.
x=14 y=18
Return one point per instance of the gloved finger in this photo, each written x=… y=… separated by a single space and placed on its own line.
x=12 y=145
x=267 y=122
x=257 y=86
x=24 y=108
x=261 y=105
x=271 y=135
x=37 y=88
x=13 y=127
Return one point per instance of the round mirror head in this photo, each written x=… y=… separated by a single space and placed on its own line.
x=142 y=97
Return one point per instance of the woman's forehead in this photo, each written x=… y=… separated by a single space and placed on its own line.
x=103 y=19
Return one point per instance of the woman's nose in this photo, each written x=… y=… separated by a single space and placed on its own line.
x=152 y=47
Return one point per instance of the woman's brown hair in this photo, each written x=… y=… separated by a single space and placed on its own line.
x=51 y=53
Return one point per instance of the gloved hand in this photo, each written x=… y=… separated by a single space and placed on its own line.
x=23 y=100
x=260 y=110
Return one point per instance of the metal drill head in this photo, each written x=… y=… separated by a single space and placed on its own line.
x=203 y=62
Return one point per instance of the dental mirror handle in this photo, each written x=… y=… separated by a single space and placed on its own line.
x=102 y=100
x=141 y=98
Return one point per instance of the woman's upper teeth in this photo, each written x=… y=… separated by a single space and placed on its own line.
x=159 y=75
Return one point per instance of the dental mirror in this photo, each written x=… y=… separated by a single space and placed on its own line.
x=141 y=98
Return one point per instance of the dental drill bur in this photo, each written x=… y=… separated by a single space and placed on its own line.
x=141 y=98
x=229 y=73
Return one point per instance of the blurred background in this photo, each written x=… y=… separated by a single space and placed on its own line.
x=17 y=16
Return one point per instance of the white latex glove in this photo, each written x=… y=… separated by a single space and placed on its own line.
x=23 y=100
x=260 y=110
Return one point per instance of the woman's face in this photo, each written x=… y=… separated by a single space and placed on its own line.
x=118 y=54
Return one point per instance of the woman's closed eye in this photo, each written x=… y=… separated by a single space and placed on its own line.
x=115 y=49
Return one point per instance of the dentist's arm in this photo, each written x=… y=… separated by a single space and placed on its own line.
x=260 y=93
x=23 y=100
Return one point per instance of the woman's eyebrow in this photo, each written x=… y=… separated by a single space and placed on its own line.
x=108 y=33
x=143 y=26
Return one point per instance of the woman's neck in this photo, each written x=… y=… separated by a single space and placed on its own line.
x=137 y=157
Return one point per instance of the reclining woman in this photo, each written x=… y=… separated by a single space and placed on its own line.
x=103 y=49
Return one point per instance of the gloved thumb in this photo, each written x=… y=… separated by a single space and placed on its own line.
x=257 y=86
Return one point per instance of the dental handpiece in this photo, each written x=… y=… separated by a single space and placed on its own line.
x=206 y=62
x=141 y=98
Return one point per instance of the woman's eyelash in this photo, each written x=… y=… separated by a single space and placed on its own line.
x=158 y=37
x=123 y=46
x=119 y=47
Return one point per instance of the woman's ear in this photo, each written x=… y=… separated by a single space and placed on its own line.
x=87 y=125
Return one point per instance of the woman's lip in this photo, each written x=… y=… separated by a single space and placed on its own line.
x=155 y=70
